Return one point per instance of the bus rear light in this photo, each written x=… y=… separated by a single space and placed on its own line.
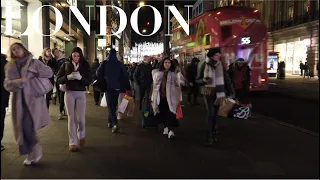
x=218 y=13
x=263 y=80
x=255 y=10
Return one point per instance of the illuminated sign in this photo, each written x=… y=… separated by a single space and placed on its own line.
x=102 y=42
x=245 y=40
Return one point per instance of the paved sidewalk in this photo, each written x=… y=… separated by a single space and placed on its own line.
x=256 y=148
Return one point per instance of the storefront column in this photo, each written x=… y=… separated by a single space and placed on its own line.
x=46 y=25
x=24 y=25
x=313 y=49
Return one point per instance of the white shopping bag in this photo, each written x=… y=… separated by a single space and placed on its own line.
x=123 y=106
x=63 y=87
x=104 y=101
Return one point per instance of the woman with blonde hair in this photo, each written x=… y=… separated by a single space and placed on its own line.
x=48 y=60
x=29 y=112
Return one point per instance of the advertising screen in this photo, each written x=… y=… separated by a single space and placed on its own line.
x=272 y=64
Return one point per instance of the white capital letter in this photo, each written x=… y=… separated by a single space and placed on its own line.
x=157 y=20
x=36 y=20
x=179 y=18
x=103 y=20
x=80 y=18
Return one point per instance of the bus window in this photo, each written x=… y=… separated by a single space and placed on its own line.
x=191 y=29
x=226 y=32
x=207 y=39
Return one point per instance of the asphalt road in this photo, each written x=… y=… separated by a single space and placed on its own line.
x=297 y=111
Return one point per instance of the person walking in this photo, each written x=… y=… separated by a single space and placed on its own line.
x=48 y=60
x=192 y=85
x=96 y=93
x=75 y=75
x=166 y=96
x=4 y=96
x=60 y=59
x=215 y=85
x=301 y=68
x=116 y=77
x=29 y=111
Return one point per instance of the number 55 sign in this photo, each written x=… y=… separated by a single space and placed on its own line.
x=245 y=40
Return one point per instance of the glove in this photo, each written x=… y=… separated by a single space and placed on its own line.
x=70 y=77
x=77 y=76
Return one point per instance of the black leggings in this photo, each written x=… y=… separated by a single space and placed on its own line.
x=166 y=116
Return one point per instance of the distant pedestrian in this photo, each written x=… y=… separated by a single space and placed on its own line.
x=306 y=70
x=29 y=112
x=60 y=59
x=94 y=68
x=239 y=73
x=75 y=74
x=301 y=68
x=4 y=96
x=48 y=60
x=192 y=85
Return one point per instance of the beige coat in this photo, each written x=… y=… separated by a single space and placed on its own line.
x=36 y=106
x=173 y=90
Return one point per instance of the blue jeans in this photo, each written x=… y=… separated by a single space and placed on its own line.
x=144 y=92
x=112 y=101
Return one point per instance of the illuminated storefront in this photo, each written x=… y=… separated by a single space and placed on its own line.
x=292 y=52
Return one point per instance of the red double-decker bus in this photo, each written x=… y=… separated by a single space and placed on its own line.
x=238 y=31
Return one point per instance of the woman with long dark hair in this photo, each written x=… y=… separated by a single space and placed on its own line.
x=166 y=95
x=75 y=75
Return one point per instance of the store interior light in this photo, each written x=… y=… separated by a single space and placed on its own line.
x=307 y=42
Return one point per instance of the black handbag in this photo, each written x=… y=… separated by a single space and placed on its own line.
x=100 y=84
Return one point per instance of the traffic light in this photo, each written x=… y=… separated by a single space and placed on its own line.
x=148 y=23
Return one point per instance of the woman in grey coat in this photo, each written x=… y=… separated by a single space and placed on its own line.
x=29 y=111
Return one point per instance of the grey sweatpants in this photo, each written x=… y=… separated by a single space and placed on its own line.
x=75 y=102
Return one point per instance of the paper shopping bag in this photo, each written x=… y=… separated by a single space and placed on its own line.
x=225 y=107
x=179 y=114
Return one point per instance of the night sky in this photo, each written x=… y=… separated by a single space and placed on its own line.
x=146 y=15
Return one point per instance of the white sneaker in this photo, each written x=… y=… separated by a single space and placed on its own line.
x=119 y=116
x=38 y=155
x=28 y=160
x=60 y=116
x=171 y=135
x=166 y=131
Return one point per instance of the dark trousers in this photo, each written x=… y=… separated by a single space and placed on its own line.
x=61 y=100
x=212 y=112
x=96 y=96
x=112 y=96
x=193 y=90
x=3 y=115
x=301 y=72
x=165 y=115
x=48 y=98
x=144 y=92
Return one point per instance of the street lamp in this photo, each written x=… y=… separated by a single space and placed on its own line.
x=141 y=4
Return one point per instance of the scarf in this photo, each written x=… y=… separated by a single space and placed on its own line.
x=214 y=70
x=76 y=66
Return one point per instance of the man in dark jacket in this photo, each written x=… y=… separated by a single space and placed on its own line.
x=4 y=96
x=60 y=58
x=143 y=78
x=94 y=68
x=131 y=78
x=191 y=76
x=239 y=73
x=114 y=72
